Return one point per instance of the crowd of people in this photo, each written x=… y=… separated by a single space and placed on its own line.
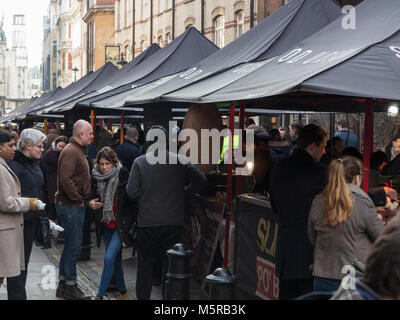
x=133 y=202
x=326 y=221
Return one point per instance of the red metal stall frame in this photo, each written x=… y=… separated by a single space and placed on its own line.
x=368 y=140
x=241 y=127
x=93 y=123
x=121 y=136
x=229 y=184
x=368 y=145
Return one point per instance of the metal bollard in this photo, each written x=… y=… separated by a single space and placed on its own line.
x=221 y=284
x=177 y=285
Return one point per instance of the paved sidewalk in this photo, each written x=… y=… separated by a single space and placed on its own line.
x=40 y=269
x=44 y=264
x=89 y=272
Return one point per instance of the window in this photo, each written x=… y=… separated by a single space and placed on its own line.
x=63 y=62
x=143 y=45
x=19 y=20
x=160 y=41
x=69 y=61
x=54 y=49
x=168 y=37
x=169 y=4
x=145 y=9
x=219 y=27
x=188 y=26
x=69 y=31
x=239 y=23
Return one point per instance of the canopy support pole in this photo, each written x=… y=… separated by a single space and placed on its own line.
x=121 y=137
x=241 y=127
x=93 y=123
x=368 y=140
x=45 y=126
x=229 y=184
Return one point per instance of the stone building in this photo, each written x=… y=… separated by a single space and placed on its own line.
x=49 y=52
x=98 y=32
x=14 y=85
x=160 y=21
x=64 y=44
x=3 y=49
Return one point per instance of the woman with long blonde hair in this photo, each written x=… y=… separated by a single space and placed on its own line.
x=342 y=225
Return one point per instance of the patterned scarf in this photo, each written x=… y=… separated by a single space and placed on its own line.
x=106 y=187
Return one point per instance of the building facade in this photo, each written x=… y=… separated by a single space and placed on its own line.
x=34 y=81
x=3 y=52
x=64 y=42
x=143 y=22
x=98 y=33
x=49 y=53
x=14 y=84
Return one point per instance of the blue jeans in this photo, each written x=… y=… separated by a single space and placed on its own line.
x=71 y=218
x=326 y=285
x=112 y=262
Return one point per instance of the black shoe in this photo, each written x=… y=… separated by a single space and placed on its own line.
x=60 y=289
x=74 y=293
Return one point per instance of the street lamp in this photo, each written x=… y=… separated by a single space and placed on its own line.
x=122 y=62
x=75 y=69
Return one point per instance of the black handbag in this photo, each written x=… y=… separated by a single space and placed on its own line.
x=43 y=233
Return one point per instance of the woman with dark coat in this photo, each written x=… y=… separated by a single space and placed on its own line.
x=26 y=166
x=109 y=179
x=51 y=165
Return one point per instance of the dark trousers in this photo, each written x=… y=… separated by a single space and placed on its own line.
x=16 y=285
x=51 y=212
x=152 y=244
x=290 y=289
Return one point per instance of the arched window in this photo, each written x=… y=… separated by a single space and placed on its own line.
x=168 y=37
x=160 y=41
x=219 y=31
x=143 y=45
x=188 y=26
x=239 y=23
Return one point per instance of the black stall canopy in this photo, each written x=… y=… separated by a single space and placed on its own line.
x=289 y=25
x=81 y=87
x=21 y=111
x=105 y=84
x=181 y=53
x=360 y=62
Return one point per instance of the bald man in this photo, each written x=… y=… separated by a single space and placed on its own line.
x=73 y=190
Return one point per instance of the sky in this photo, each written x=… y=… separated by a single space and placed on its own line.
x=34 y=11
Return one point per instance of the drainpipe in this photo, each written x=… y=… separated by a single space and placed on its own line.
x=202 y=16
x=173 y=19
x=151 y=22
x=133 y=29
x=251 y=14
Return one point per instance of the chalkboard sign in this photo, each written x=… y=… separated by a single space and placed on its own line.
x=203 y=228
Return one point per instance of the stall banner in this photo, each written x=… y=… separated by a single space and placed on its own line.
x=255 y=245
x=203 y=228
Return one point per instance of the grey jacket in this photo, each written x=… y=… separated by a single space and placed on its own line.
x=336 y=247
x=159 y=189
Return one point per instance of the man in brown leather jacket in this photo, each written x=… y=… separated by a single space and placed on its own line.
x=73 y=190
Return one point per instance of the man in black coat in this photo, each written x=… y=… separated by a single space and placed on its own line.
x=129 y=150
x=293 y=185
x=159 y=188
